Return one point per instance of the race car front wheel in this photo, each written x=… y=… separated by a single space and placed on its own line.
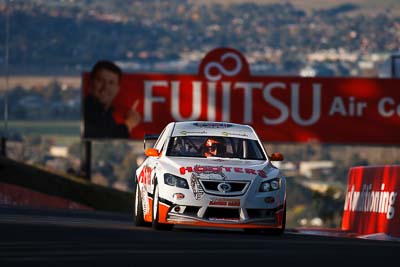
x=156 y=201
x=138 y=208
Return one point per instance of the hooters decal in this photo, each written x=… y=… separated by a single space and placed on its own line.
x=220 y=169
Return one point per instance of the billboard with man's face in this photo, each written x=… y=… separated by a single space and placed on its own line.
x=281 y=109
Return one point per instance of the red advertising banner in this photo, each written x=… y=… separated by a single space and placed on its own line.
x=371 y=204
x=281 y=109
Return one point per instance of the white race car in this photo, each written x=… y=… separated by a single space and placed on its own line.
x=210 y=174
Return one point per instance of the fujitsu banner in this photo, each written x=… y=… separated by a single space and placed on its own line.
x=281 y=109
x=372 y=202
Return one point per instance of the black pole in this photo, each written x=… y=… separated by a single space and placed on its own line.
x=4 y=146
x=392 y=66
x=6 y=60
x=87 y=168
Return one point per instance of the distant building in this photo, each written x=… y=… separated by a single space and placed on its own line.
x=308 y=71
x=390 y=67
x=316 y=169
x=59 y=151
x=289 y=168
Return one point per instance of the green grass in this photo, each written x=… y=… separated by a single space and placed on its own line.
x=62 y=128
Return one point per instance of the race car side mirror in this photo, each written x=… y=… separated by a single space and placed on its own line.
x=276 y=156
x=152 y=152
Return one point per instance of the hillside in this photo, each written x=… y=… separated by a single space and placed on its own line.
x=67 y=37
x=367 y=7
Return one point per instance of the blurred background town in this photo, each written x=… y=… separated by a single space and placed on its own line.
x=46 y=45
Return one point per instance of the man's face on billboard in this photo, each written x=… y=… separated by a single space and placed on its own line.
x=105 y=86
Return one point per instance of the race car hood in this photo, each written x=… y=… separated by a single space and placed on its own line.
x=226 y=169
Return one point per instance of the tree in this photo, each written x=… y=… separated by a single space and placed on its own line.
x=329 y=205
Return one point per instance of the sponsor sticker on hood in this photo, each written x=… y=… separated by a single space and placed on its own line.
x=221 y=169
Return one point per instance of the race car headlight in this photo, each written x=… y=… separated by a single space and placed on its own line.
x=173 y=180
x=265 y=187
x=270 y=185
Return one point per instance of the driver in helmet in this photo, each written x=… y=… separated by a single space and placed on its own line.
x=214 y=147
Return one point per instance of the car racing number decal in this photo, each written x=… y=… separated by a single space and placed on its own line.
x=145 y=175
x=145 y=179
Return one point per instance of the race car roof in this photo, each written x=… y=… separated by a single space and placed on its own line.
x=207 y=128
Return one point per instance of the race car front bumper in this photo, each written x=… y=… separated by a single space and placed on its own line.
x=237 y=217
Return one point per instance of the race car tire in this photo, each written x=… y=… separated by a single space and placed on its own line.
x=138 y=208
x=156 y=201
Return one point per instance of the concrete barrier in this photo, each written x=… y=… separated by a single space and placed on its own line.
x=12 y=195
x=30 y=185
x=371 y=205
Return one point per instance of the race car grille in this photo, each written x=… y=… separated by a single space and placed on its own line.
x=222 y=214
x=235 y=188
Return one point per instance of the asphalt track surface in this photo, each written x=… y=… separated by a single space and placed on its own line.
x=38 y=237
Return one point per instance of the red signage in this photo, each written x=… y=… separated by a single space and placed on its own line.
x=372 y=204
x=281 y=109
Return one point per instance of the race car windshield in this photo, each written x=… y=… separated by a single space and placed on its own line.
x=205 y=146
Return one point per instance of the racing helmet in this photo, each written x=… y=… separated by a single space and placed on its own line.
x=214 y=147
